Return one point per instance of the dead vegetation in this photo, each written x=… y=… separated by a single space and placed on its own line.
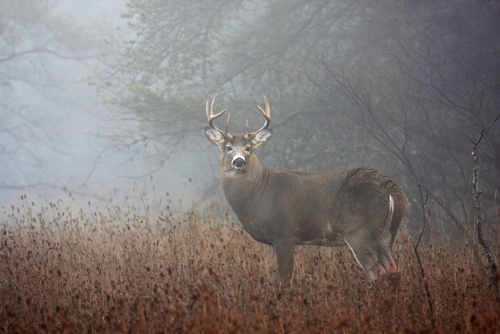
x=113 y=270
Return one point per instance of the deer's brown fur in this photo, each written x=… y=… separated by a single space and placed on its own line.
x=360 y=207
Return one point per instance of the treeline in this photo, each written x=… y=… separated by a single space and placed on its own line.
x=401 y=86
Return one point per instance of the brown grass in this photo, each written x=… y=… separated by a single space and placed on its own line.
x=113 y=270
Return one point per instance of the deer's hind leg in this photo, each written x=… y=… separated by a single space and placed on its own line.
x=365 y=253
x=384 y=255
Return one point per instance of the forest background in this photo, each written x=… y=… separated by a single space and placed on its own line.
x=101 y=103
x=112 y=216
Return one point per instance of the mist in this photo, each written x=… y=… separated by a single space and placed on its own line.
x=102 y=99
x=52 y=119
x=112 y=212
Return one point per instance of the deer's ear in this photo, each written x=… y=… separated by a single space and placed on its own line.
x=262 y=138
x=214 y=136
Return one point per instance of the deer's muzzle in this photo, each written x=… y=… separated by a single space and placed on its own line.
x=238 y=163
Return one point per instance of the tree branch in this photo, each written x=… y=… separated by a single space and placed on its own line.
x=426 y=286
x=479 y=216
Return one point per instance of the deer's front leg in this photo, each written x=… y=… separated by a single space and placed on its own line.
x=284 y=254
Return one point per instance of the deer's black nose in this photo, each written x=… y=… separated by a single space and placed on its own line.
x=238 y=163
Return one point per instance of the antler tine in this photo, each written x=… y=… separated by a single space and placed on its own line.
x=211 y=117
x=267 y=116
x=267 y=113
x=208 y=113
x=227 y=123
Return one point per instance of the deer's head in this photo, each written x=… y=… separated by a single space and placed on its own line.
x=237 y=150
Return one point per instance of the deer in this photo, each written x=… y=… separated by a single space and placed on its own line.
x=360 y=207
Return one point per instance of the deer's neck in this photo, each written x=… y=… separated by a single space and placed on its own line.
x=243 y=187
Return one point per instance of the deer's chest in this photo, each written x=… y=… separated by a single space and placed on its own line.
x=252 y=221
x=254 y=217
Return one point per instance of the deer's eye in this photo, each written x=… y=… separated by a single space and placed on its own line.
x=247 y=149
x=229 y=148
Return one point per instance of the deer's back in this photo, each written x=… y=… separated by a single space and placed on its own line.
x=314 y=206
x=331 y=202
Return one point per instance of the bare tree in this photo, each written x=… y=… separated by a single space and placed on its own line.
x=394 y=85
x=483 y=241
x=32 y=38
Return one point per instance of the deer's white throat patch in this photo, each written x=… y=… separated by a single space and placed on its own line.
x=232 y=174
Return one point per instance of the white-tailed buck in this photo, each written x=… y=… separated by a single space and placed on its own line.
x=361 y=207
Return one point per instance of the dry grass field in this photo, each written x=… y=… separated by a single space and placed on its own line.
x=113 y=270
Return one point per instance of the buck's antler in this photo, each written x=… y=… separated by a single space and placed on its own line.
x=267 y=116
x=211 y=117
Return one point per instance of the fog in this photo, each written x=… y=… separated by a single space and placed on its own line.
x=52 y=120
x=106 y=100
